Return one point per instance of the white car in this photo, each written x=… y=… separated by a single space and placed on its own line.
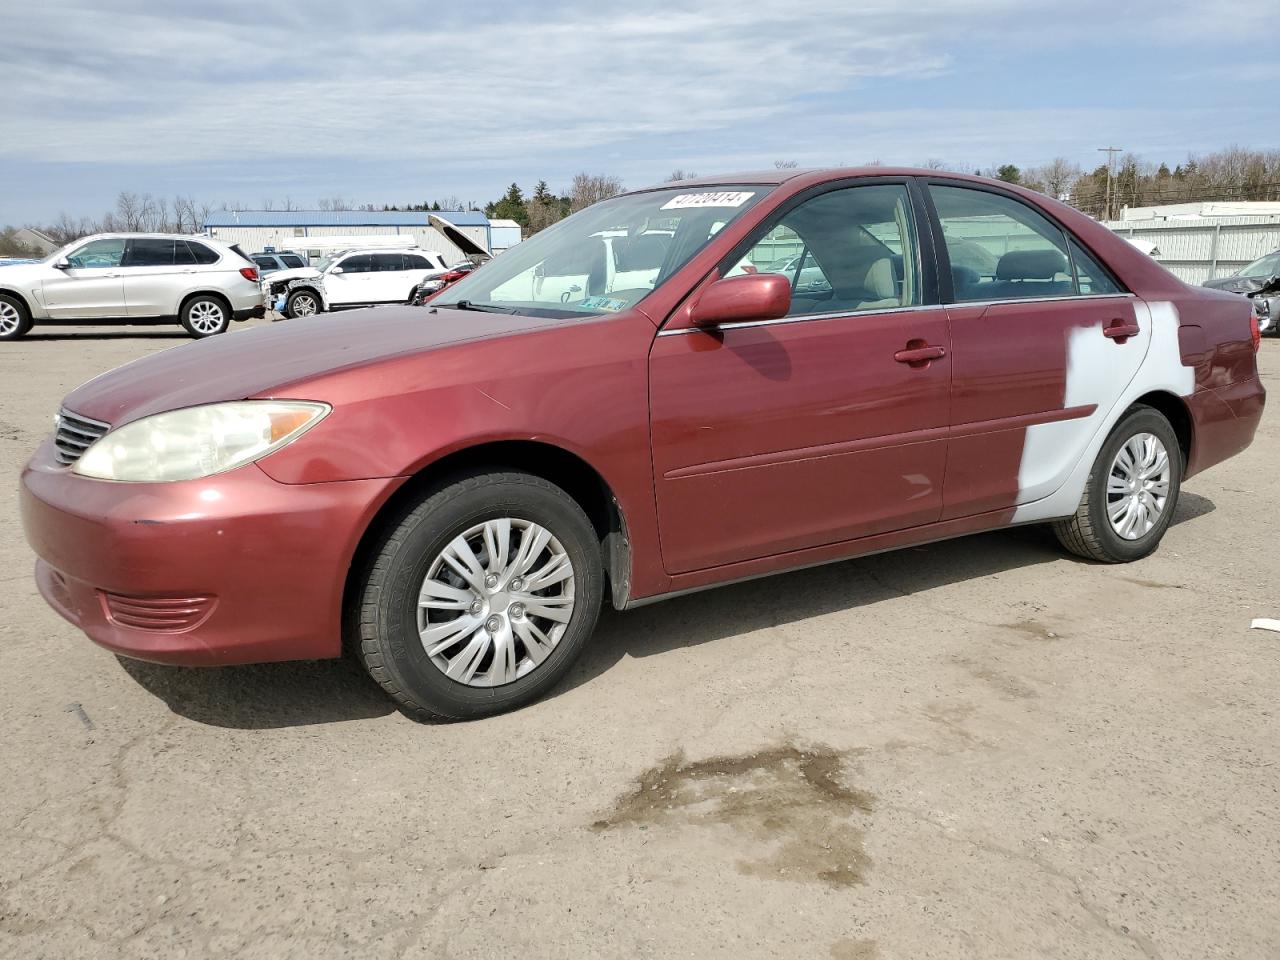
x=200 y=283
x=356 y=278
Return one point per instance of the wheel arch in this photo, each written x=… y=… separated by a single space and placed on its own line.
x=578 y=478
x=215 y=294
x=1175 y=410
x=17 y=295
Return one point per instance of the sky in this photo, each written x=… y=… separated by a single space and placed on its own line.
x=398 y=102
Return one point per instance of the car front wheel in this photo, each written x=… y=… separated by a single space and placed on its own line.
x=480 y=599
x=205 y=316
x=302 y=303
x=14 y=319
x=1131 y=494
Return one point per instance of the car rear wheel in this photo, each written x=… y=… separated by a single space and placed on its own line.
x=1131 y=494
x=15 y=321
x=302 y=303
x=481 y=598
x=205 y=316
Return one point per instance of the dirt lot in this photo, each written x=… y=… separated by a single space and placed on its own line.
x=976 y=749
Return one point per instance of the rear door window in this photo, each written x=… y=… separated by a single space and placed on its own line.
x=1000 y=248
x=149 y=252
x=388 y=262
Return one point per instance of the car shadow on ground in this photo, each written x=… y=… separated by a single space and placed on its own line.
x=845 y=585
x=112 y=335
x=331 y=691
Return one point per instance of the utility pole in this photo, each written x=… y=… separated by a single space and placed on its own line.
x=1111 y=154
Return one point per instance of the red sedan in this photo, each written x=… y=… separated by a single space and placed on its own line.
x=673 y=389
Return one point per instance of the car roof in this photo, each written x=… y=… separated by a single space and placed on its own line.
x=812 y=175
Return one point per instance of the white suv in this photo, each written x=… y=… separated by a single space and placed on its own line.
x=354 y=278
x=133 y=278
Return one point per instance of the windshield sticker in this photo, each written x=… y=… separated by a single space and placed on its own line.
x=689 y=201
x=603 y=303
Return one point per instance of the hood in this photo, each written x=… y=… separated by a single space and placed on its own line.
x=293 y=273
x=280 y=359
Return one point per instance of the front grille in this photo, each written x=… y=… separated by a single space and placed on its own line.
x=162 y=614
x=74 y=434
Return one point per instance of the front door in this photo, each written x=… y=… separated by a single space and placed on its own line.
x=351 y=284
x=825 y=426
x=90 y=285
x=1045 y=342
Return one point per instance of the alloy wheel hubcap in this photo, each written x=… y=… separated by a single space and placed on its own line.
x=496 y=602
x=1138 y=486
x=304 y=306
x=206 y=316
x=8 y=318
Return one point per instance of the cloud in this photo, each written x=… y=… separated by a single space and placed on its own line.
x=136 y=86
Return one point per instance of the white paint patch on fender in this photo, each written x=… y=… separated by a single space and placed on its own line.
x=1057 y=457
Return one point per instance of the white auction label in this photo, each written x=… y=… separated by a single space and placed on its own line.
x=688 y=201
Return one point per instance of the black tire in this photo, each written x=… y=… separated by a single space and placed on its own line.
x=383 y=619
x=1088 y=532
x=9 y=329
x=205 y=315
x=303 y=296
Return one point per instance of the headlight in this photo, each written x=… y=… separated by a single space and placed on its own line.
x=198 y=441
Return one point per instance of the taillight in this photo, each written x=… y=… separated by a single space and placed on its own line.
x=1255 y=330
x=453 y=275
x=249 y=273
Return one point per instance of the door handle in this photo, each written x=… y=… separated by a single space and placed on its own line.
x=1120 y=330
x=918 y=353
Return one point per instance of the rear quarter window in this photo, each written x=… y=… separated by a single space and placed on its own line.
x=202 y=254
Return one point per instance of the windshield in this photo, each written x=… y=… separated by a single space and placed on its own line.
x=1267 y=266
x=605 y=258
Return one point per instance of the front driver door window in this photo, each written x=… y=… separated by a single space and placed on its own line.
x=90 y=285
x=818 y=428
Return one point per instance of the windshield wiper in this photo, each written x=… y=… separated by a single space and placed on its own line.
x=482 y=307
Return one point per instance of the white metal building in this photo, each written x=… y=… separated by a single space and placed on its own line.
x=504 y=234
x=289 y=229
x=1201 y=241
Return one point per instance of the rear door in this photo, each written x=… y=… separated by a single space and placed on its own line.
x=1045 y=341
x=821 y=427
x=91 y=285
x=152 y=277
x=392 y=282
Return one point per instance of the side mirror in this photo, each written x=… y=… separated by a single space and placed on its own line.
x=336 y=270
x=752 y=296
x=62 y=264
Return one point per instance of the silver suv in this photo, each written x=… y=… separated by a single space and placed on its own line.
x=133 y=278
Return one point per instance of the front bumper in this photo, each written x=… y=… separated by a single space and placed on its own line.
x=235 y=568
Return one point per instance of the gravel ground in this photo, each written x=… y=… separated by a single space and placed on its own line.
x=976 y=749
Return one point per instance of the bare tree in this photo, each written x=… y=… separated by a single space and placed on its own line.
x=934 y=163
x=129 y=211
x=679 y=173
x=1056 y=178
x=786 y=164
x=334 y=203
x=590 y=188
